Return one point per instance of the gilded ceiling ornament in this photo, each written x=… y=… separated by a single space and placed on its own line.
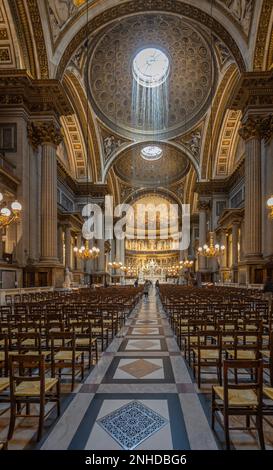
x=44 y=132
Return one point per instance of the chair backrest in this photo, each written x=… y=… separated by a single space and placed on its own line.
x=26 y=368
x=253 y=384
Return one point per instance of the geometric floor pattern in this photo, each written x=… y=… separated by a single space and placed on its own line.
x=141 y=394
x=131 y=424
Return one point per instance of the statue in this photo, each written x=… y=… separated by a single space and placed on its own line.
x=68 y=280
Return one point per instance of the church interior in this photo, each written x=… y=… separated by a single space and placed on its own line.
x=129 y=340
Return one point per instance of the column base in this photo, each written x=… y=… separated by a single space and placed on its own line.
x=251 y=271
x=44 y=275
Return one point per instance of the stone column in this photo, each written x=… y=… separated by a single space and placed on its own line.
x=60 y=244
x=223 y=242
x=235 y=240
x=48 y=135
x=251 y=132
x=80 y=266
x=68 y=246
x=203 y=206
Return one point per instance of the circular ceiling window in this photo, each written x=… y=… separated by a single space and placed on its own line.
x=151 y=67
x=151 y=153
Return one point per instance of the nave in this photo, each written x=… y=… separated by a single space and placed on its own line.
x=140 y=395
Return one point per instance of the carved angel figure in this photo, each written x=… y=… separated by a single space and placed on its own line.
x=60 y=11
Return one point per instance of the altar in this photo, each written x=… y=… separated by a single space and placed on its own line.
x=151 y=271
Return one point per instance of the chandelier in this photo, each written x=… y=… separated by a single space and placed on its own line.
x=115 y=264
x=9 y=216
x=211 y=250
x=87 y=253
x=173 y=270
x=129 y=270
x=186 y=263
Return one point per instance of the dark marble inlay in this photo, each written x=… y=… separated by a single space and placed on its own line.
x=132 y=424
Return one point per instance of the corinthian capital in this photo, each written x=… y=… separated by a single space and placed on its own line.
x=203 y=205
x=260 y=127
x=251 y=128
x=44 y=132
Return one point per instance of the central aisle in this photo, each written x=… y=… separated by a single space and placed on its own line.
x=140 y=394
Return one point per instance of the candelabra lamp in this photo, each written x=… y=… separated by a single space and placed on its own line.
x=8 y=215
x=87 y=253
x=212 y=250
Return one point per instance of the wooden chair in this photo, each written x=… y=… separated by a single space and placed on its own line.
x=239 y=399
x=28 y=385
x=208 y=354
x=65 y=356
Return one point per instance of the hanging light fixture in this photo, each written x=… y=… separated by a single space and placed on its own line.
x=212 y=250
x=9 y=216
x=186 y=263
x=87 y=253
x=115 y=264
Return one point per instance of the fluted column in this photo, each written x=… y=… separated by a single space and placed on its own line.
x=235 y=240
x=48 y=135
x=60 y=244
x=223 y=256
x=80 y=263
x=251 y=132
x=203 y=206
x=68 y=246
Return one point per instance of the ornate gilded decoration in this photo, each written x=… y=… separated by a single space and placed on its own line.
x=7 y=53
x=227 y=140
x=219 y=107
x=174 y=6
x=44 y=132
x=264 y=22
x=77 y=95
x=76 y=144
x=39 y=39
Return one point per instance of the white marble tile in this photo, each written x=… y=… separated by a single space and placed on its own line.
x=63 y=432
x=198 y=429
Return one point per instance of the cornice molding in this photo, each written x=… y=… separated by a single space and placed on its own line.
x=207 y=188
x=254 y=91
x=80 y=188
x=38 y=97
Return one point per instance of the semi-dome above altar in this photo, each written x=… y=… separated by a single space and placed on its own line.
x=134 y=168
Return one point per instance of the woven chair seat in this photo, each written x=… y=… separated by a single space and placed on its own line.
x=241 y=354
x=238 y=397
x=32 y=388
x=66 y=356
x=4 y=383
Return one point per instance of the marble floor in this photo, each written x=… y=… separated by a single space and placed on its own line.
x=141 y=395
